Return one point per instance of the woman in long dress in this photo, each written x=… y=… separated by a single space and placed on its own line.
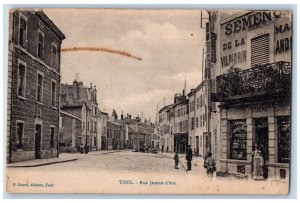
x=258 y=163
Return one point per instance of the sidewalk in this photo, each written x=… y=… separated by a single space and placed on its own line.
x=41 y=162
x=197 y=163
x=63 y=157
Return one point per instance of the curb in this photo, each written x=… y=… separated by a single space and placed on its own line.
x=44 y=164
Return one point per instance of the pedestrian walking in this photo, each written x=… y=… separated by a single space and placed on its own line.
x=210 y=164
x=176 y=159
x=189 y=157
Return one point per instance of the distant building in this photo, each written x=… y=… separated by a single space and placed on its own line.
x=199 y=134
x=73 y=135
x=101 y=143
x=70 y=132
x=77 y=94
x=164 y=127
x=139 y=134
x=181 y=129
x=115 y=132
x=33 y=86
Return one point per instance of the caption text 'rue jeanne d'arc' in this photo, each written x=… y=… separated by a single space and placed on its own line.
x=146 y=183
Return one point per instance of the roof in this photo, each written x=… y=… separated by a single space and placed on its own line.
x=70 y=115
x=182 y=102
x=165 y=107
x=43 y=17
x=143 y=128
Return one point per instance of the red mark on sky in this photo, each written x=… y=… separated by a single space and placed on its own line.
x=101 y=49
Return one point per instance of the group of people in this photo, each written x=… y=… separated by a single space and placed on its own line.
x=209 y=161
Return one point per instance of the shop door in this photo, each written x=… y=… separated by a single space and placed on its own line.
x=262 y=140
x=38 y=136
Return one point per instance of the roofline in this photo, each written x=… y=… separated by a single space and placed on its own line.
x=70 y=114
x=46 y=19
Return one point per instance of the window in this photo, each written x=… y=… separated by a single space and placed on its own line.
x=39 y=94
x=88 y=126
x=192 y=123
x=238 y=139
x=200 y=120
x=203 y=119
x=197 y=122
x=198 y=103
x=20 y=132
x=54 y=56
x=83 y=125
x=22 y=31
x=284 y=139
x=21 y=80
x=40 y=45
x=260 y=50
x=53 y=93
x=52 y=137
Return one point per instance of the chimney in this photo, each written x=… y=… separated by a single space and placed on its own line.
x=75 y=89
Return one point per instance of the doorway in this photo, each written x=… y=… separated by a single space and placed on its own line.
x=38 y=138
x=262 y=140
x=197 y=145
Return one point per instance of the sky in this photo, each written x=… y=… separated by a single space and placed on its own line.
x=169 y=42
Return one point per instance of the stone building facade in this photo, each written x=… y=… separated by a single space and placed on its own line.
x=253 y=89
x=102 y=131
x=78 y=94
x=33 y=86
x=70 y=129
x=199 y=132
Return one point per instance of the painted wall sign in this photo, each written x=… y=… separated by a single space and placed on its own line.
x=247 y=21
x=234 y=58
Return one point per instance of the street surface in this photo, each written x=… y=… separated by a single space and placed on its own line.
x=123 y=161
x=129 y=173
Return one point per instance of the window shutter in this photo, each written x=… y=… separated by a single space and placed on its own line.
x=260 y=50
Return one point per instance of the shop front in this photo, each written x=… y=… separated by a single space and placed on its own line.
x=253 y=88
x=256 y=140
x=180 y=142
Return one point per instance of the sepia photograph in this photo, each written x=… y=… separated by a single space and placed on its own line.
x=149 y=101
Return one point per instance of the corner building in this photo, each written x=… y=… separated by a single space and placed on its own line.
x=33 y=86
x=253 y=90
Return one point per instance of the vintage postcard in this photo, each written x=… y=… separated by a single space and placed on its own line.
x=160 y=101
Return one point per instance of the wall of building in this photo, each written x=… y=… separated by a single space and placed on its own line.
x=26 y=109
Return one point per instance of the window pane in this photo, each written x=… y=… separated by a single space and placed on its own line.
x=39 y=88
x=53 y=94
x=238 y=139
x=40 y=45
x=21 y=80
x=22 y=34
x=284 y=138
x=52 y=137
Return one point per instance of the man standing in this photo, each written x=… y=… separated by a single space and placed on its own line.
x=189 y=157
x=211 y=165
